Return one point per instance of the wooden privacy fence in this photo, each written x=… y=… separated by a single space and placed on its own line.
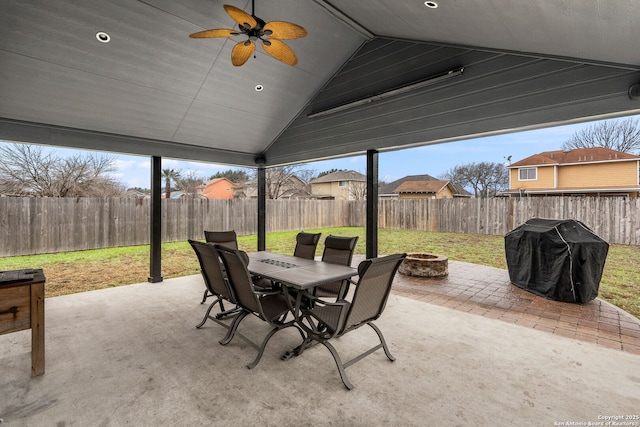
x=616 y=220
x=48 y=225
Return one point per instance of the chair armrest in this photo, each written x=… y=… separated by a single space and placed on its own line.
x=317 y=300
x=267 y=293
x=329 y=331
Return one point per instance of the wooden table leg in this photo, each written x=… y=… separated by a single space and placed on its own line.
x=37 y=329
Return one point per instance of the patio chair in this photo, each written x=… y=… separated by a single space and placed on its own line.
x=337 y=250
x=306 y=244
x=326 y=321
x=214 y=280
x=225 y=238
x=270 y=306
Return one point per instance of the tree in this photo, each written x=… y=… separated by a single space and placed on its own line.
x=358 y=190
x=169 y=175
x=283 y=179
x=140 y=190
x=619 y=135
x=234 y=176
x=189 y=183
x=278 y=180
x=28 y=170
x=329 y=171
x=305 y=175
x=485 y=178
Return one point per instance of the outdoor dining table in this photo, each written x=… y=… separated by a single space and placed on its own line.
x=297 y=274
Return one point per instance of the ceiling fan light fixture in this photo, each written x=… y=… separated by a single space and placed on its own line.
x=270 y=34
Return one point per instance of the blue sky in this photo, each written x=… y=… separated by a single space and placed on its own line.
x=134 y=171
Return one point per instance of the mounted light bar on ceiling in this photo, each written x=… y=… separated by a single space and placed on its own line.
x=387 y=94
x=634 y=91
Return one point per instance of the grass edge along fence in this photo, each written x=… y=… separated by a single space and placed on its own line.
x=30 y=225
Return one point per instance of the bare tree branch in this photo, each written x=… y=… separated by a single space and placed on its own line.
x=189 y=183
x=28 y=170
x=484 y=178
x=280 y=180
x=619 y=135
x=358 y=190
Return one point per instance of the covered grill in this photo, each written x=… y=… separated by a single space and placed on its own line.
x=560 y=260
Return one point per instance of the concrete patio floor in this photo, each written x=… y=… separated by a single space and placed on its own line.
x=132 y=356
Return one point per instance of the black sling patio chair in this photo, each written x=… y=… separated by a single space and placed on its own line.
x=325 y=321
x=270 y=306
x=225 y=238
x=306 y=244
x=215 y=282
x=337 y=250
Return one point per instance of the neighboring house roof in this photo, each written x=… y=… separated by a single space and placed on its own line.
x=214 y=180
x=432 y=186
x=290 y=180
x=340 y=176
x=250 y=188
x=460 y=191
x=390 y=188
x=295 y=193
x=579 y=155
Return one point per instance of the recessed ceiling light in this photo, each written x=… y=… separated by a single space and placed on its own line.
x=431 y=4
x=259 y=88
x=103 y=37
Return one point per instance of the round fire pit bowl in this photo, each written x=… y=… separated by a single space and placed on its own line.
x=422 y=264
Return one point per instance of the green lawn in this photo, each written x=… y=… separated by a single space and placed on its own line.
x=80 y=271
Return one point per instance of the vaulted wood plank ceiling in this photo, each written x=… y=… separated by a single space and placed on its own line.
x=154 y=91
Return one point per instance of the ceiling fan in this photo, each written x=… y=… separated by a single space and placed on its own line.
x=270 y=33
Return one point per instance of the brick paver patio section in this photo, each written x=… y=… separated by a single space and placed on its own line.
x=487 y=291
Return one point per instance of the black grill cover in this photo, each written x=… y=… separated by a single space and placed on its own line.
x=560 y=260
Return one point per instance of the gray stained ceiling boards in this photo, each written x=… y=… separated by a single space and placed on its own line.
x=154 y=91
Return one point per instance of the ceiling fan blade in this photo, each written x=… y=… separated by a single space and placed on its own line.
x=280 y=51
x=240 y=16
x=284 y=30
x=242 y=52
x=206 y=34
